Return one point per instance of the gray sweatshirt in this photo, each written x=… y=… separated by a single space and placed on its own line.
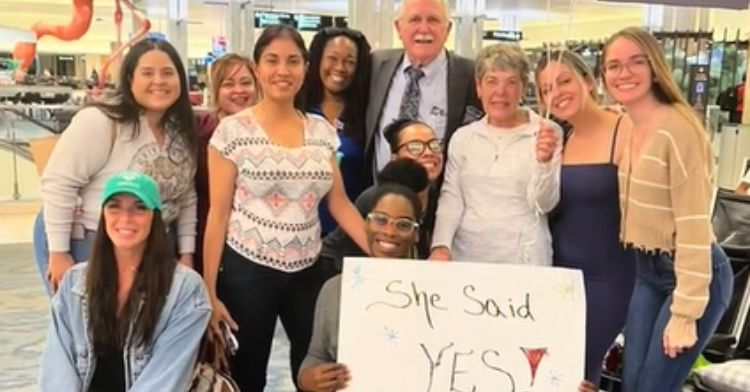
x=85 y=157
x=324 y=343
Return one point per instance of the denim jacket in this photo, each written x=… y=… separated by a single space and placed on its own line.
x=68 y=361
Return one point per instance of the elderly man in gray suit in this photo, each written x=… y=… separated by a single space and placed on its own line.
x=422 y=81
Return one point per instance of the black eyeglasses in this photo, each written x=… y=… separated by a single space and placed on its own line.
x=404 y=226
x=417 y=147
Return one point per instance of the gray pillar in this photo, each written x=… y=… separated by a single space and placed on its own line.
x=240 y=27
x=375 y=19
x=468 y=26
x=177 y=17
x=654 y=17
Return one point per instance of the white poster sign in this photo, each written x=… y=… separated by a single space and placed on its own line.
x=418 y=326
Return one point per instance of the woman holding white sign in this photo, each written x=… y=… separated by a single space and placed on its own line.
x=502 y=175
x=683 y=279
x=392 y=231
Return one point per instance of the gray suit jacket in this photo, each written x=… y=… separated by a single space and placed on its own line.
x=463 y=105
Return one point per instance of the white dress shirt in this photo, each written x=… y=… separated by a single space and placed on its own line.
x=433 y=103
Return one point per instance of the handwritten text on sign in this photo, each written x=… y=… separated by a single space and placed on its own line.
x=420 y=326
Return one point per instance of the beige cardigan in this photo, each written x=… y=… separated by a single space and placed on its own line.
x=665 y=204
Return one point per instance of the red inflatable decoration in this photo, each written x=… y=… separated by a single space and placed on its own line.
x=24 y=52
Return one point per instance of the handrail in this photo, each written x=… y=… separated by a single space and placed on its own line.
x=15 y=110
x=18 y=148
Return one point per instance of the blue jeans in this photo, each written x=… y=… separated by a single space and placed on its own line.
x=645 y=366
x=79 y=248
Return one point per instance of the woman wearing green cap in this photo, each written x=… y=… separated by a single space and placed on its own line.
x=130 y=318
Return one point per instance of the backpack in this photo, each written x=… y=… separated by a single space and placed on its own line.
x=727 y=100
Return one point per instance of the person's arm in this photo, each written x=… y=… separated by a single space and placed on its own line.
x=344 y=212
x=690 y=199
x=744 y=185
x=175 y=350
x=58 y=368
x=186 y=225
x=337 y=245
x=70 y=168
x=450 y=204
x=543 y=192
x=222 y=175
x=742 y=188
x=319 y=370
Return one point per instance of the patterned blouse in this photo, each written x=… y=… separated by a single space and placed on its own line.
x=274 y=220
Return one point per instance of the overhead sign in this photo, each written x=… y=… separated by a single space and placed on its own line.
x=309 y=22
x=265 y=19
x=302 y=22
x=503 y=35
x=733 y=4
x=341 y=21
x=440 y=327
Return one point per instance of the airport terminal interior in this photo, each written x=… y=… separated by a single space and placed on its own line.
x=705 y=44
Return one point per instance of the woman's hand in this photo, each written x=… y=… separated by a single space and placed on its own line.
x=219 y=314
x=325 y=377
x=546 y=143
x=440 y=253
x=587 y=386
x=59 y=263
x=679 y=335
x=186 y=259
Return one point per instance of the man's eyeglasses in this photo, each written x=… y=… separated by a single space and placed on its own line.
x=635 y=64
x=403 y=226
x=417 y=147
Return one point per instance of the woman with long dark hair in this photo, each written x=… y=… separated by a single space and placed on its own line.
x=269 y=168
x=147 y=126
x=130 y=319
x=336 y=87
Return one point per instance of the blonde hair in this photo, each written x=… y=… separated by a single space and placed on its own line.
x=576 y=64
x=502 y=56
x=220 y=70
x=663 y=87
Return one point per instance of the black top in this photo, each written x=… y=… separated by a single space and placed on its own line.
x=109 y=374
x=337 y=245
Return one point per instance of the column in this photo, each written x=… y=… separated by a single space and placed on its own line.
x=654 y=17
x=375 y=19
x=177 y=16
x=746 y=103
x=468 y=26
x=240 y=27
x=684 y=19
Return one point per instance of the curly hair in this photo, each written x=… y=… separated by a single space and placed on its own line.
x=356 y=95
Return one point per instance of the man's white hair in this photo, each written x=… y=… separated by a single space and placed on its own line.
x=443 y=4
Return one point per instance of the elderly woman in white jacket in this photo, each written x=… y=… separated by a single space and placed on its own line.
x=503 y=173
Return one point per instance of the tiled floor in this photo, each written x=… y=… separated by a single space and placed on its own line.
x=23 y=324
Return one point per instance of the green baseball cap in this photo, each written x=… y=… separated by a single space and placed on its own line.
x=136 y=184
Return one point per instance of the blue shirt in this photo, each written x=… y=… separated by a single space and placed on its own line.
x=351 y=158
